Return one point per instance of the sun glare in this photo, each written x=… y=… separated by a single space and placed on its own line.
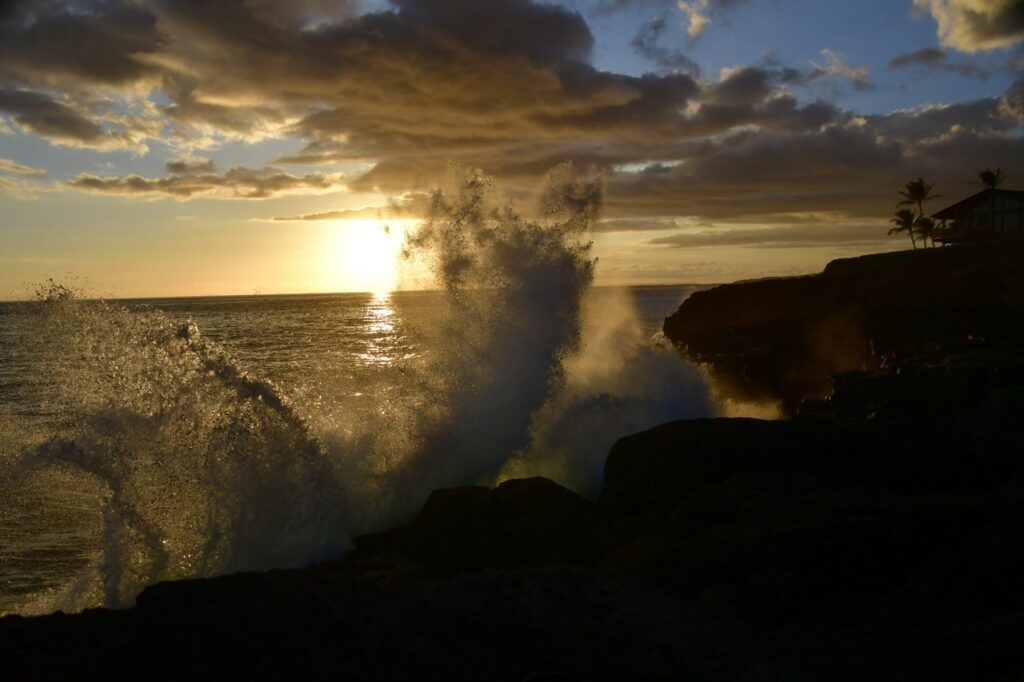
x=362 y=255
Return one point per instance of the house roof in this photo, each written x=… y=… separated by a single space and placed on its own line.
x=954 y=210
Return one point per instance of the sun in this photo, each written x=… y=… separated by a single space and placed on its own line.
x=363 y=255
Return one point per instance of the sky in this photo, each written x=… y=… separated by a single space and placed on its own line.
x=188 y=147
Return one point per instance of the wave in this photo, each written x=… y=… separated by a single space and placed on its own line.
x=206 y=469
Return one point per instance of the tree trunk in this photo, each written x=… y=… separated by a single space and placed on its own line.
x=992 y=212
x=920 y=214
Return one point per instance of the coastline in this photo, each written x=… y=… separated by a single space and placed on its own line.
x=870 y=535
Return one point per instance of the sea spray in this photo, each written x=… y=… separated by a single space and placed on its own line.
x=616 y=382
x=536 y=375
x=204 y=469
x=511 y=287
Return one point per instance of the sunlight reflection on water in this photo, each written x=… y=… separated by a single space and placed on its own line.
x=380 y=327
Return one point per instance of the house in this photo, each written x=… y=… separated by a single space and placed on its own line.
x=991 y=213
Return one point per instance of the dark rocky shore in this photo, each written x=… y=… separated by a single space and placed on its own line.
x=879 y=534
x=904 y=313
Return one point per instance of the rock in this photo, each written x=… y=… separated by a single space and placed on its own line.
x=520 y=523
x=313 y=624
x=525 y=522
x=654 y=471
x=815 y=548
x=781 y=339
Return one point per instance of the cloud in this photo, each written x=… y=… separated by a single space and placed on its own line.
x=506 y=85
x=849 y=168
x=9 y=166
x=823 y=233
x=20 y=181
x=299 y=14
x=78 y=44
x=973 y=25
x=367 y=212
x=190 y=166
x=64 y=123
x=606 y=7
x=412 y=88
x=647 y=44
x=700 y=13
x=936 y=59
x=836 y=67
x=42 y=115
x=1011 y=106
x=638 y=224
x=16 y=187
x=236 y=183
x=411 y=205
x=924 y=124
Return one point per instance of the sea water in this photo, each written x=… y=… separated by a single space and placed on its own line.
x=345 y=368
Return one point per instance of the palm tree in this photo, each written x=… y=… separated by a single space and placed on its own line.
x=904 y=220
x=925 y=227
x=992 y=178
x=917 y=192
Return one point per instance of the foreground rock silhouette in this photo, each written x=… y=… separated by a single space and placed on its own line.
x=718 y=549
x=881 y=538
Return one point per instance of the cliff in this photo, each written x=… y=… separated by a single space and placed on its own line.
x=782 y=339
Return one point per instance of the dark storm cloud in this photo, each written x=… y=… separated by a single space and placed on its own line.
x=937 y=60
x=237 y=183
x=972 y=25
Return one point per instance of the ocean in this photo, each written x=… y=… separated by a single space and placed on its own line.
x=151 y=439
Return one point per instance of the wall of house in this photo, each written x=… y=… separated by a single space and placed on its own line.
x=1009 y=215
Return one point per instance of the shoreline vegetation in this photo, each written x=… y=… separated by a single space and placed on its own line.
x=877 y=533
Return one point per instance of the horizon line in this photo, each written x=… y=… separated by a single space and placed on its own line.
x=183 y=297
